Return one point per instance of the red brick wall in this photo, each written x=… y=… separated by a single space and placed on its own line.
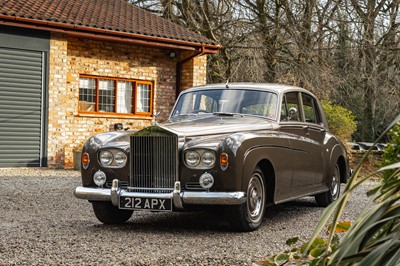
x=191 y=69
x=70 y=57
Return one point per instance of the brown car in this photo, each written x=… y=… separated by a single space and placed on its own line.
x=239 y=146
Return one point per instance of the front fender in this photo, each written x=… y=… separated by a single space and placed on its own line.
x=264 y=147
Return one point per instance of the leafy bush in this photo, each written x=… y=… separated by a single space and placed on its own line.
x=341 y=121
x=391 y=154
x=304 y=255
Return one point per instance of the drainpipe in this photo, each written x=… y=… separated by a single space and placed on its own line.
x=179 y=69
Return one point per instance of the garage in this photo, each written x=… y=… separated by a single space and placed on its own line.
x=23 y=97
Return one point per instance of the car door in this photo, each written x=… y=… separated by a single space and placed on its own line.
x=303 y=148
x=315 y=131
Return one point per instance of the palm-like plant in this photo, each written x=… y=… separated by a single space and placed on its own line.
x=374 y=238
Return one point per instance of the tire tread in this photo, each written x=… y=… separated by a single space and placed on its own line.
x=109 y=214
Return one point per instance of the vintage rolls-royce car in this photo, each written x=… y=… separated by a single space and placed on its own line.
x=238 y=146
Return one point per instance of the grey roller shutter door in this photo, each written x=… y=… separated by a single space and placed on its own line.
x=21 y=97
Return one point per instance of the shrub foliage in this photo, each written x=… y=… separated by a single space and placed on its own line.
x=341 y=121
x=391 y=154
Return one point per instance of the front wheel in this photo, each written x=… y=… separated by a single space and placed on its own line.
x=326 y=198
x=109 y=214
x=249 y=215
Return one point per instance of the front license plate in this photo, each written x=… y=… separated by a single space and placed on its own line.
x=132 y=203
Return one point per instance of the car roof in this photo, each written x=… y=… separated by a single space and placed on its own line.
x=274 y=87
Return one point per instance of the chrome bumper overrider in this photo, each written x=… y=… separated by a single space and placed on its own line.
x=178 y=197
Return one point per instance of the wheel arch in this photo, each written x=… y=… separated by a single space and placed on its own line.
x=268 y=171
x=269 y=175
x=342 y=169
x=339 y=156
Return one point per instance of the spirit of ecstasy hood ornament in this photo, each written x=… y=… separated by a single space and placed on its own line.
x=155 y=114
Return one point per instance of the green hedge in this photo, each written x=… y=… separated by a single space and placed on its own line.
x=341 y=121
x=391 y=154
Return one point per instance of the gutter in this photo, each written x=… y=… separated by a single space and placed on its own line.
x=106 y=35
x=179 y=69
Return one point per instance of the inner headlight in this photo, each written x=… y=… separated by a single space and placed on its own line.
x=106 y=158
x=208 y=158
x=120 y=158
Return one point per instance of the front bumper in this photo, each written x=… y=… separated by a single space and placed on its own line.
x=179 y=198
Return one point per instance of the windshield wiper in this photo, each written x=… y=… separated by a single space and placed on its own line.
x=227 y=114
x=188 y=116
x=241 y=115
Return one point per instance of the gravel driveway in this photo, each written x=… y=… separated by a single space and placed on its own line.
x=42 y=223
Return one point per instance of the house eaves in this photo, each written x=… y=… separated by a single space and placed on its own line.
x=91 y=19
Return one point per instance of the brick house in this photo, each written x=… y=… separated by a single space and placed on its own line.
x=69 y=69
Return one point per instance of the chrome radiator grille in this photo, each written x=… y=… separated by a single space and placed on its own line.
x=154 y=163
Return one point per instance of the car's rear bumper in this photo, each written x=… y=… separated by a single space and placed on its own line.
x=179 y=198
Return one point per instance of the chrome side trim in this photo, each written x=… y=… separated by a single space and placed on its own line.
x=214 y=198
x=179 y=198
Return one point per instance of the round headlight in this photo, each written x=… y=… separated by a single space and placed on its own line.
x=106 y=158
x=206 y=180
x=120 y=158
x=208 y=158
x=99 y=178
x=192 y=158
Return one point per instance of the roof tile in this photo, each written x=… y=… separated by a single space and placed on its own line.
x=113 y=15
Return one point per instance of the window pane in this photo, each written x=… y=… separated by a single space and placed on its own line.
x=87 y=95
x=290 y=107
x=124 y=100
x=106 y=96
x=208 y=104
x=310 y=111
x=143 y=98
x=251 y=102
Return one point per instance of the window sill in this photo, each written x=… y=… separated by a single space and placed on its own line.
x=119 y=116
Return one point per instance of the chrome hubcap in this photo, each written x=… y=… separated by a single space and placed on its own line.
x=335 y=184
x=255 y=199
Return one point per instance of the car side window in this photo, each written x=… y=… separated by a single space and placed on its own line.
x=311 y=112
x=290 y=107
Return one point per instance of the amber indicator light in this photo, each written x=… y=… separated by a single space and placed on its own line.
x=85 y=159
x=223 y=159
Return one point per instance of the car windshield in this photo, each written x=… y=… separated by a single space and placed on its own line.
x=226 y=102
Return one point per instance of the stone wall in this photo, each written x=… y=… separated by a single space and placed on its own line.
x=71 y=57
x=369 y=165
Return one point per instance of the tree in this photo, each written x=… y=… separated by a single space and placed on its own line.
x=345 y=51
